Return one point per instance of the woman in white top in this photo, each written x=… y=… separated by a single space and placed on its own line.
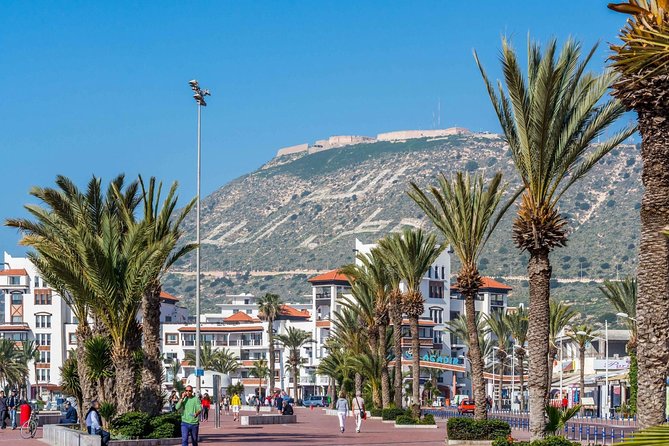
x=358 y=408
x=342 y=409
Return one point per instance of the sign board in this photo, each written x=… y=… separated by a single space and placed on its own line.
x=436 y=358
x=199 y=372
x=613 y=363
x=588 y=401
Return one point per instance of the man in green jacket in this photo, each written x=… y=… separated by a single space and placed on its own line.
x=190 y=407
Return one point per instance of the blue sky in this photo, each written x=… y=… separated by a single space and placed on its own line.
x=92 y=87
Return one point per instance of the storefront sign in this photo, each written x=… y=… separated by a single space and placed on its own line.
x=436 y=358
x=613 y=364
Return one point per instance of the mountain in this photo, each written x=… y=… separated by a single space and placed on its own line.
x=300 y=213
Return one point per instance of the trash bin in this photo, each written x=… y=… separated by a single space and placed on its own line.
x=25 y=413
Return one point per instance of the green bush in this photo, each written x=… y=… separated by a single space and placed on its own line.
x=405 y=419
x=427 y=419
x=471 y=429
x=548 y=441
x=163 y=431
x=392 y=413
x=131 y=425
x=165 y=426
x=376 y=412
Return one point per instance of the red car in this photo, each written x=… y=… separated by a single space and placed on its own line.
x=466 y=406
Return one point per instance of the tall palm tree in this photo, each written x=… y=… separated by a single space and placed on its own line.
x=581 y=336
x=623 y=296
x=71 y=385
x=163 y=224
x=59 y=229
x=269 y=307
x=518 y=324
x=411 y=253
x=499 y=327
x=560 y=316
x=221 y=361
x=643 y=86
x=294 y=339
x=30 y=353
x=550 y=118
x=260 y=371
x=349 y=337
x=464 y=211
x=99 y=362
x=12 y=368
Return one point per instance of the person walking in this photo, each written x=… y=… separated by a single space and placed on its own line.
x=12 y=405
x=190 y=408
x=173 y=400
x=342 y=410
x=236 y=405
x=226 y=404
x=94 y=423
x=206 y=404
x=3 y=409
x=358 y=408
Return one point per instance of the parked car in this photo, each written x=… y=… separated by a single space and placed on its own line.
x=315 y=401
x=466 y=406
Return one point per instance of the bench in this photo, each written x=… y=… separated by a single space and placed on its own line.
x=254 y=420
x=59 y=435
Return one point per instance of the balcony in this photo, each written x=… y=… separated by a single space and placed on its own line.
x=323 y=296
x=424 y=342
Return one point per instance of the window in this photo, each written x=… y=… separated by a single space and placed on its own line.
x=43 y=298
x=436 y=314
x=16 y=336
x=45 y=357
x=235 y=311
x=36 y=281
x=17 y=299
x=44 y=375
x=43 y=320
x=14 y=280
x=72 y=339
x=168 y=318
x=247 y=301
x=436 y=272
x=171 y=357
x=248 y=311
x=17 y=319
x=443 y=272
x=43 y=339
x=171 y=339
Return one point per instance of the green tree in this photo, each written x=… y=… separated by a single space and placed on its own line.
x=269 y=308
x=221 y=361
x=499 y=327
x=164 y=225
x=294 y=339
x=411 y=253
x=581 y=335
x=71 y=385
x=30 y=353
x=560 y=316
x=99 y=363
x=463 y=209
x=643 y=86
x=518 y=323
x=260 y=371
x=550 y=118
x=623 y=296
x=12 y=366
x=349 y=336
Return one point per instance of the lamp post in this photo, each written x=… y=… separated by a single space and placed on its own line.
x=493 y=377
x=606 y=363
x=199 y=96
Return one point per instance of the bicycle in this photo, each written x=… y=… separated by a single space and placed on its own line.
x=29 y=428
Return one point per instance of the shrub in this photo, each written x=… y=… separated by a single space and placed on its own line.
x=471 y=429
x=131 y=425
x=165 y=426
x=405 y=419
x=376 y=412
x=163 y=431
x=427 y=419
x=548 y=441
x=392 y=413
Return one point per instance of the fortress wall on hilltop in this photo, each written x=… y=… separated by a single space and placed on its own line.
x=414 y=134
x=293 y=149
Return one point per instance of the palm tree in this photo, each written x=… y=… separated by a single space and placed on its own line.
x=643 y=86
x=499 y=327
x=349 y=337
x=550 y=118
x=30 y=353
x=71 y=384
x=99 y=362
x=411 y=253
x=260 y=371
x=221 y=361
x=164 y=224
x=12 y=368
x=623 y=296
x=560 y=316
x=518 y=323
x=464 y=211
x=175 y=366
x=269 y=307
x=581 y=336
x=59 y=233
x=294 y=339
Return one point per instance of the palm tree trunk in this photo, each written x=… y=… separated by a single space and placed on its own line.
x=581 y=383
x=396 y=318
x=83 y=334
x=374 y=347
x=552 y=351
x=332 y=391
x=415 y=364
x=385 y=378
x=501 y=380
x=152 y=370
x=296 y=375
x=125 y=375
x=539 y=274
x=358 y=383
x=270 y=338
x=475 y=359
x=521 y=361
x=653 y=271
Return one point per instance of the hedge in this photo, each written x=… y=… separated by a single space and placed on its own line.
x=548 y=441
x=409 y=419
x=134 y=425
x=376 y=412
x=392 y=413
x=471 y=429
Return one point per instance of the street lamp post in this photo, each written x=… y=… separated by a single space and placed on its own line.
x=199 y=96
x=605 y=402
x=493 y=378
